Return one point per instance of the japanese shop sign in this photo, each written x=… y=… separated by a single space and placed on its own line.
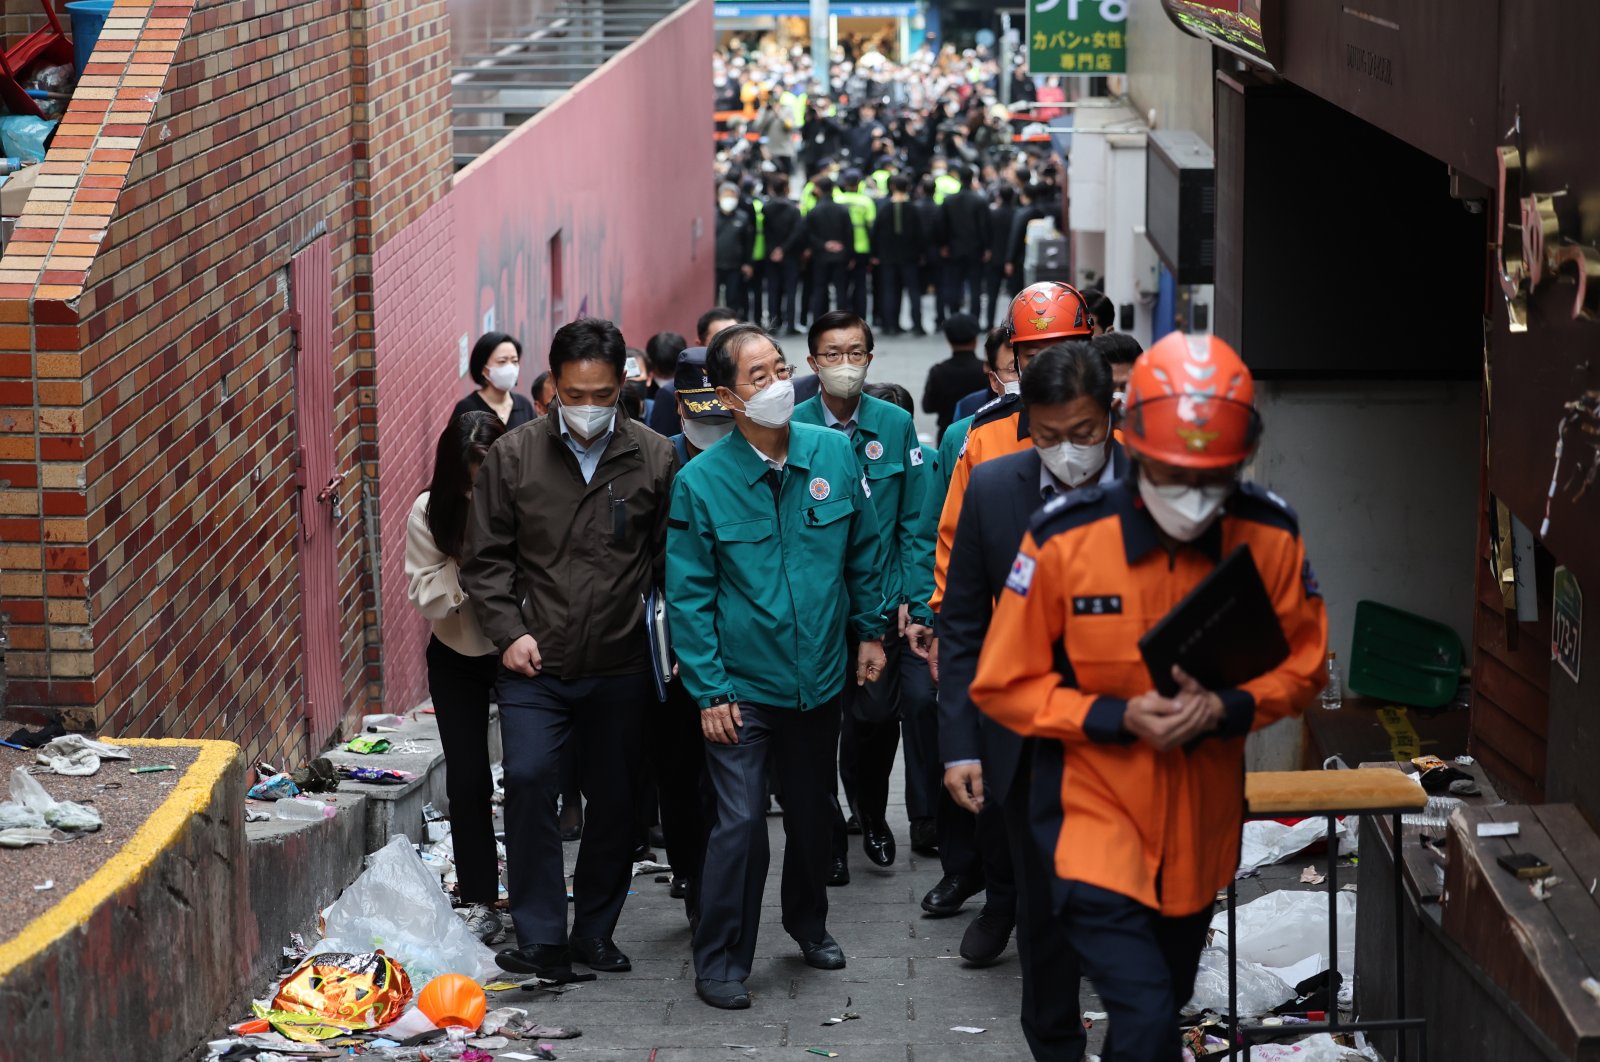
x=1077 y=37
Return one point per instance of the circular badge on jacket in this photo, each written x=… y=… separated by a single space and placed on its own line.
x=874 y=450
x=820 y=488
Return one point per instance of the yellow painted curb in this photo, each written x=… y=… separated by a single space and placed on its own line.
x=190 y=796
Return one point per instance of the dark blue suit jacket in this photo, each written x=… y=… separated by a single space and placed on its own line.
x=970 y=404
x=1001 y=497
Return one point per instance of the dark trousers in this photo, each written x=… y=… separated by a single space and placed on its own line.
x=674 y=739
x=869 y=737
x=829 y=289
x=798 y=746
x=919 y=730
x=900 y=281
x=729 y=290
x=994 y=278
x=933 y=273
x=537 y=715
x=1142 y=964
x=755 y=287
x=860 y=279
x=781 y=277
x=1051 y=1020
x=963 y=278
x=461 y=687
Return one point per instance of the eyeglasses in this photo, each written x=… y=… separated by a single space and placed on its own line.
x=835 y=357
x=761 y=377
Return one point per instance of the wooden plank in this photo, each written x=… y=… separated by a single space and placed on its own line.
x=1530 y=659
x=1510 y=689
x=1511 y=780
x=1509 y=738
x=1514 y=938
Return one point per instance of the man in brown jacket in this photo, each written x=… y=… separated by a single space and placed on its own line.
x=568 y=533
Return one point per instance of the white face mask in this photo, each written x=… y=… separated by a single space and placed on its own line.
x=1072 y=464
x=702 y=433
x=772 y=407
x=1184 y=512
x=503 y=376
x=590 y=422
x=727 y=205
x=1012 y=387
x=843 y=381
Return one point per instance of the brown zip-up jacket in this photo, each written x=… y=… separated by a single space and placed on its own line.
x=567 y=561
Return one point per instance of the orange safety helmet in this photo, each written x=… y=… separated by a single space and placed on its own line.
x=1191 y=403
x=453 y=1000
x=1049 y=310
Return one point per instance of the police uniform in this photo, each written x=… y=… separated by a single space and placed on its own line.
x=891 y=460
x=768 y=571
x=1140 y=840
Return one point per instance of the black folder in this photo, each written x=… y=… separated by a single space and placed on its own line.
x=1224 y=632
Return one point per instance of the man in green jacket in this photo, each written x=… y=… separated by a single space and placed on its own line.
x=772 y=559
x=884 y=440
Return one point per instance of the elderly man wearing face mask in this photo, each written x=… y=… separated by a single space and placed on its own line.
x=772 y=573
x=1137 y=797
x=568 y=533
x=894 y=469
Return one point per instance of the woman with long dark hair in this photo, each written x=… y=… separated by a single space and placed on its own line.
x=461 y=662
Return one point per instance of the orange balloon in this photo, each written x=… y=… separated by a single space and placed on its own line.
x=453 y=1000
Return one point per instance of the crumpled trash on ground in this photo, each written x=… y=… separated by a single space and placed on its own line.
x=31 y=807
x=1283 y=935
x=274 y=787
x=22 y=837
x=397 y=904
x=364 y=991
x=1264 y=841
x=74 y=754
x=1316 y=1048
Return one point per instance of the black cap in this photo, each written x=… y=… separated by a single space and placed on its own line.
x=694 y=386
x=961 y=329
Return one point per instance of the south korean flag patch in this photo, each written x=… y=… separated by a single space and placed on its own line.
x=916 y=455
x=1021 y=576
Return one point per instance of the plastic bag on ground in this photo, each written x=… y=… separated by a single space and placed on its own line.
x=1259 y=991
x=1285 y=928
x=29 y=797
x=1264 y=841
x=74 y=754
x=396 y=904
x=1318 y=1048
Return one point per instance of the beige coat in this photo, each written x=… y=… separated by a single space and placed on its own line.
x=434 y=587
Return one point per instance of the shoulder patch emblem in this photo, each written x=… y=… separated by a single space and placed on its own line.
x=1021 y=577
x=866 y=488
x=820 y=488
x=916 y=455
x=874 y=450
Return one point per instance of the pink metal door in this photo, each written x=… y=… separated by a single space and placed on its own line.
x=317 y=487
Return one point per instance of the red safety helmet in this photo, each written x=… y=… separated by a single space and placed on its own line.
x=1049 y=310
x=1191 y=403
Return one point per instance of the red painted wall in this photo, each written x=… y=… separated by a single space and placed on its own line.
x=619 y=169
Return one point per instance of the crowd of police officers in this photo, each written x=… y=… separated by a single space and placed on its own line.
x=829 y=582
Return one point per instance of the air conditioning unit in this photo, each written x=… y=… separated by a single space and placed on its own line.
x=1180 y=206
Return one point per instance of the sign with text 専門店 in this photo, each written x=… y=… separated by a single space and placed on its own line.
x=1078 y=37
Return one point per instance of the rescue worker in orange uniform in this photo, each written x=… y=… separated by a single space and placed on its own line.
x=1149 y=789
x=1042 y=315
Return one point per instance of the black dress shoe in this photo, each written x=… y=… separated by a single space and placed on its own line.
x=679 y=889
x=877 y=841
x=824 y=954
x=953 y=890
x=986 y=938
x=553 y=962
x=840 y=874
x=925 y=837
x=724 y=995
x=852 y=825
x=600 y=953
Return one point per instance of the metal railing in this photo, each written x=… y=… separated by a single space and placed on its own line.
x=493 y=94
